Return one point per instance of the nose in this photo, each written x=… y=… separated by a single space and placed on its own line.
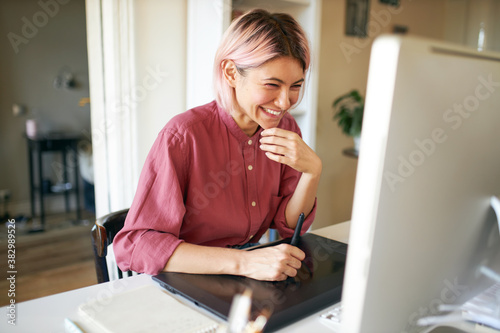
x=283 y=100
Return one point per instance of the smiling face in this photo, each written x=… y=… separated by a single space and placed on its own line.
x=264 y=94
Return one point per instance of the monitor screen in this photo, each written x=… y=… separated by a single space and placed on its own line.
x=429 y=163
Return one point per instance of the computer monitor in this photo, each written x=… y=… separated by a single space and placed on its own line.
x=429 y=163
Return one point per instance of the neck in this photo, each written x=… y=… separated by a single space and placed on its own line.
x=248 y=126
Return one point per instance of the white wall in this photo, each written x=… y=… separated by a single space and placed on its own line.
x=344 y=66
x=474 y=23
x=160 y=28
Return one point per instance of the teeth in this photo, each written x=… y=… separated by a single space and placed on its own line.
x=276 y=113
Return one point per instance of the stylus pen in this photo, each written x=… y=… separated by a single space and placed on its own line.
x=298 y=227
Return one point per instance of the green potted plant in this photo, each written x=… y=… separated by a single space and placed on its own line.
x=349 y=115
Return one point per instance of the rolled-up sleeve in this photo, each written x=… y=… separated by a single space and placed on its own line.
x=151 y=231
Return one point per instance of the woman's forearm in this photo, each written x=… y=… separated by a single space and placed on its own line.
x=197 y=259
x=270 y=263
x=302 y=200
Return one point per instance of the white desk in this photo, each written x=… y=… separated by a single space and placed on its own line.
x=338 y=232
x=47 y=314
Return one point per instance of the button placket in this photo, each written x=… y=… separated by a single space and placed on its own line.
x=254 y=211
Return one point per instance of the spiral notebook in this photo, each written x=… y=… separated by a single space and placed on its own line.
x=145 y=309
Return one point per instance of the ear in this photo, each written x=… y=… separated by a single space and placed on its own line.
x=229 y=72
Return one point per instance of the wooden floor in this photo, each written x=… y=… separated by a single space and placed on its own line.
x=56 y=260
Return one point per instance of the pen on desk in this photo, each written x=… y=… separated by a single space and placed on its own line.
x=257 y=326
x=71 y=327
x=239 y=313
x=298 y=227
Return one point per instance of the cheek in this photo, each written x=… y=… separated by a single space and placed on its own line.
x=263 y=97
x=294 y=97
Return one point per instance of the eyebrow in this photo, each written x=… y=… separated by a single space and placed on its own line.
x=283 y=82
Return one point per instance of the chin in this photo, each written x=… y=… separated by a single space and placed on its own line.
x=269 y=124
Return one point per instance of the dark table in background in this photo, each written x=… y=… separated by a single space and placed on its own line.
x=62 y=143
x=350 y=152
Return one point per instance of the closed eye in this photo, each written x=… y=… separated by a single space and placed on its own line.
x=294 y=87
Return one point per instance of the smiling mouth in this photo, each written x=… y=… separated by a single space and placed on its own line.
x=273 y=112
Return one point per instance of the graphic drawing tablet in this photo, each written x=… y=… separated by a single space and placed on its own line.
x=317 y=285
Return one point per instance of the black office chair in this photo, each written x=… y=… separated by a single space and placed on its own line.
x=103 y=233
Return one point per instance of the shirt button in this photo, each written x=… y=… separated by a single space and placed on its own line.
x=251 y=236
x=254 y=204
x=250 y=142
x=250 y=167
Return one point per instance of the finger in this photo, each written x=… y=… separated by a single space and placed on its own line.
x=290 y=272
x=295 y=263
x=276 y=158
x=283 y=147
x=293 y=251
x=273 y=140
x=277 y=276
x=285 y=270
x=291 y=151
x=290 y=144
x=298 y=254
x=291 y=159
x=281 y=139
x=280 y=277
x=280 y=150
x=275 y=131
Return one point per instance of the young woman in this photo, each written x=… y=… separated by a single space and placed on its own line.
x=220 y=175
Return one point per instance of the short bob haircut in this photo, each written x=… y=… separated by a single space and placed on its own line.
x=253 y=39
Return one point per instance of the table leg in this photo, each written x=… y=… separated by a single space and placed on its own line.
x=32 y=185
x=77 y=182
x=40 y=190
x=65 y=179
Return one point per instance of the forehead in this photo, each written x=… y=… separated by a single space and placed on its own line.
x=286 y=69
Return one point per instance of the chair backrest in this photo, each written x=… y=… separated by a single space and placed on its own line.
x=103 y=233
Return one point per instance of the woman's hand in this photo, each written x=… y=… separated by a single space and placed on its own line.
x=287 y=147
x=274 y=263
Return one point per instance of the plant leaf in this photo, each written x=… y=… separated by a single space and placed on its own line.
x=349 y=112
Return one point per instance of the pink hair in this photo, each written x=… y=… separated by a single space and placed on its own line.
x=253 y=39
